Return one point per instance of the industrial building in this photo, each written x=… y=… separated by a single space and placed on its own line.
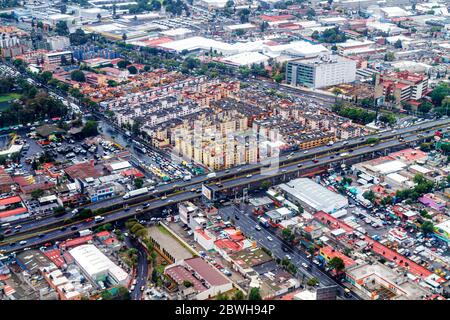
x=311 y=195
x=96 y=266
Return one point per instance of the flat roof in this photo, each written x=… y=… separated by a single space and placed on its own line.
x=207 y=272
x=169 y=243
x=94 y=262
x=314 y=195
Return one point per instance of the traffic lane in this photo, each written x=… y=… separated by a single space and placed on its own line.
x=310 y=163
x=247 y=226
x=199 y=179
x=276 y=246
x=142 y=269
x=297 y=156
x=289 y=169
x=120 y=214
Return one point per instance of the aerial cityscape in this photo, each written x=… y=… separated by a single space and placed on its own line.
x=224 y=150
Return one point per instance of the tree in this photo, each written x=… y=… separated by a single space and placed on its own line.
x=61 y=28
x=288 y=234
x=427 y=227
x=222 y=296
x=45 y=76
x=78 y=75
x=123 y=293
x=388 y=118
x=106 y=295
x=440 y=93
x=59 y=211
x=425 y=107
x=122 y=64
x=336 y=92
x=90 y=129
x=398 y=44
x=78 y=37
x=238 y=295
x=124 y=37
x=312 y=282
x=155 y=276
x=187 y=283
x=389 y=56
x=263 y=26
x=36 y=194
x=266 y=184
x=337 y=264
x=254 y=294
x=369 y=195
x=138 y=183
x=132 y=70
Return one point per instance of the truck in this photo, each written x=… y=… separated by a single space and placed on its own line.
x=85 y=232
x=98 y=219
x=211 y=175
x=264 y=222
x=187 y=177
x=135 y=193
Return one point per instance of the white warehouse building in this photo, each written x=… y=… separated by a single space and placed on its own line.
x=98 y=267
x=312 y=195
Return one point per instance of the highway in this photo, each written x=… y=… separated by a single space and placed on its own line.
x=238 y=174
x=243 y=180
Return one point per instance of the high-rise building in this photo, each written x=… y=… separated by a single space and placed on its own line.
x=322 y=71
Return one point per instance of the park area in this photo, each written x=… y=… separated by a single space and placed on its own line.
x=5 y=99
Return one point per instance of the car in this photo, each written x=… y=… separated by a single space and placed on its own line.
x=41 y=235
x=8 y=231
x=304 y=265
x=248 y=176
x=315 y=160
x=288 y=257
x=285 y=249
x=269 y=238
x=299 y=165
x=170 y=200
x=236 y=217
x=23 y=242
x=142 y=288
x=316 y=262
x=18 y=227
x=139 y=210
x=163 y=197
x=63 y=229
x=258 y=228
x=306 y=151
x=73 y=228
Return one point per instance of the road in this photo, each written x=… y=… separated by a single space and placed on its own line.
x=238 y=179
x=141 y=270
x=247 y=225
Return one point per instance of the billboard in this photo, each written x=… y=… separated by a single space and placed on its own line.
x=207 y=192
x=326 y=293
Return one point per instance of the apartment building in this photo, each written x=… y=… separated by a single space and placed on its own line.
x=54 y=58
x=401 y=86
x=322 y=71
